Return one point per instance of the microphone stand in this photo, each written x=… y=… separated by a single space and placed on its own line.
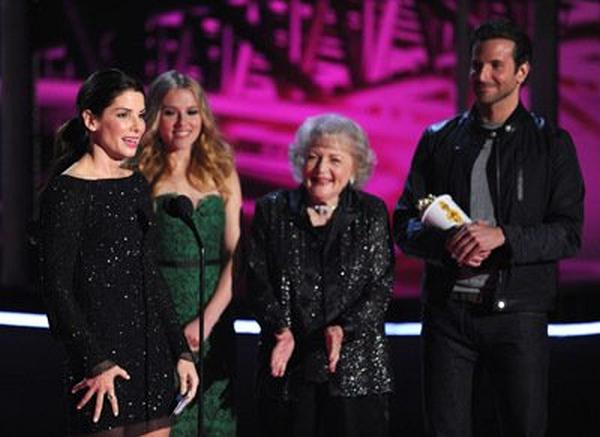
x=201 y=292
x=182 y=207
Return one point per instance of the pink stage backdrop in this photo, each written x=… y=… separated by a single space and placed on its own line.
x=388 y=81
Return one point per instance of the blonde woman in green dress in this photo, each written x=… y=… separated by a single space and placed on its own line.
x=183 y=153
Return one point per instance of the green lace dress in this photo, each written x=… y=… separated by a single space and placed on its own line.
x=178 y=260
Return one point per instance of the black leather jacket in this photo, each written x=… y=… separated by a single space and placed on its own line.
x=537 y=190
x=307 y=279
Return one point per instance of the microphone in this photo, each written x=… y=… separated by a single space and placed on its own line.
x=181 y=207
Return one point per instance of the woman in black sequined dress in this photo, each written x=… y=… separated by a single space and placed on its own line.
x=106 y=302
x=320 y=278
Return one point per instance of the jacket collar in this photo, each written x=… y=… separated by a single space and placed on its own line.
x=345 y=213
x=513 y=123
x=298 y=200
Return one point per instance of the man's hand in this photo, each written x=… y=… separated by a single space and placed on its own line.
x=474 y=242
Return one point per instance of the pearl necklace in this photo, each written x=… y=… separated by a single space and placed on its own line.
x=323 y=209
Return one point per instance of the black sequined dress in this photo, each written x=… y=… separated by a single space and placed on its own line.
x=106 y=300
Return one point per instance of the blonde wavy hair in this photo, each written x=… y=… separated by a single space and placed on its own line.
x=211 y=160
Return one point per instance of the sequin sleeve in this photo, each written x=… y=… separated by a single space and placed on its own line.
x=267 y=308
x=368 y=311
x=62 y=216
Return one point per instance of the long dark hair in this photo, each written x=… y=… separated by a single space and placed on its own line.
x=98 y=92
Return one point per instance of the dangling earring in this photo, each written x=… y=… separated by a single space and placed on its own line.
x=351 y=180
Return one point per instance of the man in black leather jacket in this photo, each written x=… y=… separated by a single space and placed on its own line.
x=488 y=285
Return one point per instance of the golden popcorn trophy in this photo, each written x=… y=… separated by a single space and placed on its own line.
x=441 y=212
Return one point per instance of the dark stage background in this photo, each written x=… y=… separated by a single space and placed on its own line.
x=395 y=66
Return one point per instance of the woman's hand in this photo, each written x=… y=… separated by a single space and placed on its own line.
x=192 y=334
x=282 y=352
x=334 y=335
x=101 y=385
x=192 y=330
x=188 y=378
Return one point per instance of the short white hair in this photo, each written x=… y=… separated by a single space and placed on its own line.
x=315 y=128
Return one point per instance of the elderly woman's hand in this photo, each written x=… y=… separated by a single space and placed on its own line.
x=334 y=335
x=282 y=352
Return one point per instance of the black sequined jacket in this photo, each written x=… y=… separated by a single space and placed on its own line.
x=308 y=278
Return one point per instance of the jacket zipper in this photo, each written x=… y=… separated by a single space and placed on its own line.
x=500 y=287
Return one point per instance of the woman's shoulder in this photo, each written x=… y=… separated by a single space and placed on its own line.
x=276 y=203
x=63 y=187
x=132 y=184
x=369 y=199
x=68 y=187
x=139 y=179
x=277 y=197
x=369 y=202
x=64 y=197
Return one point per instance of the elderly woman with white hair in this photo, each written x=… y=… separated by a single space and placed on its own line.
x=320 y=278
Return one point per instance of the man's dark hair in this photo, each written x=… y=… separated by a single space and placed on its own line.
x=503 y=28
